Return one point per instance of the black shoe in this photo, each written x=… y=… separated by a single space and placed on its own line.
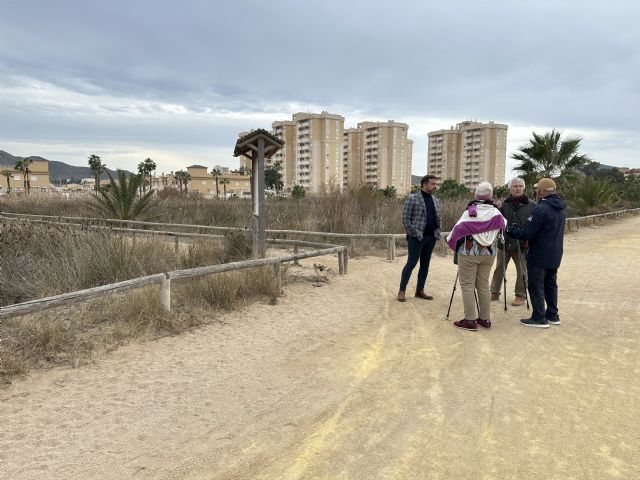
x=530 y=322
x=554 y=321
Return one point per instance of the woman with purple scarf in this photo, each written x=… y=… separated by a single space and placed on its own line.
x=473 y=241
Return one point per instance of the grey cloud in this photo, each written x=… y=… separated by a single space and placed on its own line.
x=545 y=62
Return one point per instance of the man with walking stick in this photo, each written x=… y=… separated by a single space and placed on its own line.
x=516 y=208
x=544 y=229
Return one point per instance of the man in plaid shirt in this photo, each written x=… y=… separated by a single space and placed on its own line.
x=421 y=220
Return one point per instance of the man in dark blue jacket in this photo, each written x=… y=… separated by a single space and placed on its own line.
x=544 y=230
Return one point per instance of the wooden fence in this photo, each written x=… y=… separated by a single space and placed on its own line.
x=165 y=279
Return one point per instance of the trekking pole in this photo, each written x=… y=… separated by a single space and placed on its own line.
x=455 y=283
x=504 y=267
x=524 y=277
x=475 y=294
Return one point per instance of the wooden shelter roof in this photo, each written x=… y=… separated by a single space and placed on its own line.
x=248 y=144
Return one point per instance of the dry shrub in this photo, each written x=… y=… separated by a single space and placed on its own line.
x=56 y=259
x=236 y=247
x=170 y=192
x=360 y=210
x=225 y=290
x=200 y=252
x=72 y=335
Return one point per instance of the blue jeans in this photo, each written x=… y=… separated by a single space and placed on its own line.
x=543 y=288
x=417 y=250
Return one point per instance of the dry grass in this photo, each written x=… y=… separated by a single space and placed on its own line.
x=41 y=260
x=57 y=259
x=358 y=211
x=73 y=336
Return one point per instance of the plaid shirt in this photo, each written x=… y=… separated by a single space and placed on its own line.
x=414 y=215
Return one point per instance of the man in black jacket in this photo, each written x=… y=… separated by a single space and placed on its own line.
x=544 y=230
x=516 y=208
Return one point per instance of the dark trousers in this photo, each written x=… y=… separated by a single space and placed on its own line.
x=543 y=288
x=417 y=250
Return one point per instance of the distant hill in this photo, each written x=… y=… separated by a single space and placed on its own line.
x=58 y=171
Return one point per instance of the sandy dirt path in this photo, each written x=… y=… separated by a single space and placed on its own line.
x=343 y=382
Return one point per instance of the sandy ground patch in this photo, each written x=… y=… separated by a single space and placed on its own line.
x=341 y=381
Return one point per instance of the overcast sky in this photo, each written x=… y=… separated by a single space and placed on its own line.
x=176 y=81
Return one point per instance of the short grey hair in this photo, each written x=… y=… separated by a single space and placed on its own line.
x=484 y=191
x=516 y=179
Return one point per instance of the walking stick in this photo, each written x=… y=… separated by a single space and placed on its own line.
x=475 y=294
x=524 y=277
x=455 y=283
x=504 y=267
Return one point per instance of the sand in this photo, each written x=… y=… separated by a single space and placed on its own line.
x=340 y=381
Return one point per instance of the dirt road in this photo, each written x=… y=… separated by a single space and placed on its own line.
x=343 y=382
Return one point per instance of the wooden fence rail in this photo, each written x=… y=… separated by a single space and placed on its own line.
x=570 y=224
x=164 y=279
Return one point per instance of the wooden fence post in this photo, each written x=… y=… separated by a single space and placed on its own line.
x=295 y=251
x=346 y=261
x=165 y=294
x=277 y=273
x=392 y=240
x=341 y=262
x=177 y=243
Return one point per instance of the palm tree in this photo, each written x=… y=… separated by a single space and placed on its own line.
x=23 y=166
x=121 y=200
x=547 y=156
x=225 y=182
x=8 y=174
x=216 y=172
x=149 y=168
x=97 y=167
x=183 y=177
x=141 y=172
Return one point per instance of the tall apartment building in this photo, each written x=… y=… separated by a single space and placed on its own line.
x=470 y=153
x=285 y=131
x=319 y=150
x=386 y=155
x=352 y=158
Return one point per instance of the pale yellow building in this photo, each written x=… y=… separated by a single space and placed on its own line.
x=379 y=154
x=352 y=159
x=38 y=177
x=319 y=151
x=286 y=156
x=203 y=183
x=470 y=153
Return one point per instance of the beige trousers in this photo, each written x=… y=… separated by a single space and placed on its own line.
x=501 y=264
x=473 y=272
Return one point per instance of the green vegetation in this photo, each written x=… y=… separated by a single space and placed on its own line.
x=297 y=192
x=216 y=172
x=145 y=170
x=183 y=177
x=97 y=167
x=273 y=177
x=23 y=166
x=450 y=189
x=547 y=155
x=7 y=173
x=121 y=199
